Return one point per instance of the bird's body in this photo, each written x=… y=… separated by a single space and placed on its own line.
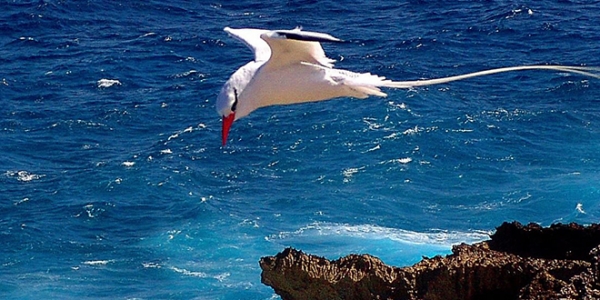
x=290 y=67
x=273 y=88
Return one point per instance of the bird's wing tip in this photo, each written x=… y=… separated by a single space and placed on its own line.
x=307 y=36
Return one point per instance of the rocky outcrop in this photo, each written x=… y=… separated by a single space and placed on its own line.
x=518 y=262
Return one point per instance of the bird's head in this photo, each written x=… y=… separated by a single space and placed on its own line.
x=226 y=107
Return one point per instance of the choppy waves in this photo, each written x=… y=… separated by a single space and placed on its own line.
x=115 y=184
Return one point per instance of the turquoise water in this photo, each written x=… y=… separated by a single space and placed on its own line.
x=113 y=183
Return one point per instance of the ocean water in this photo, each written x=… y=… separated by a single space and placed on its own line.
x=114 y=184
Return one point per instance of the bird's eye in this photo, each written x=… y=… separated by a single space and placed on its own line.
x=234 y=106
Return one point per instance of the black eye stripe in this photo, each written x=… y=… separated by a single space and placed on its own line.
x=234 y=106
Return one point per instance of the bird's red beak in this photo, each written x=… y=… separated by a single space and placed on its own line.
x=227 y=121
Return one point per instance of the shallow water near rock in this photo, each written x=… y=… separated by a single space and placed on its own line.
x=114 y=184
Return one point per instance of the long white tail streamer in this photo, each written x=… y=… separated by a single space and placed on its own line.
x=587 y=71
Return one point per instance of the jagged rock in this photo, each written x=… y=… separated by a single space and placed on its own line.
x=519 y=262
x=559 y=241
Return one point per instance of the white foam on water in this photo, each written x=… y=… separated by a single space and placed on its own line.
x=186 y=74
x=402 y=160
x=26 y=199
x=128 y=164
x=98 y=262
x=377 y=147
x=219 y=277
x=23 y=176
x=187 y=130
x=373 y=232
x=349 y=173
x=411 y=131
x=151 y=265
x=189 y=273
x=106 y=83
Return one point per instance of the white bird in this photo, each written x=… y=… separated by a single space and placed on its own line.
x=290 y=67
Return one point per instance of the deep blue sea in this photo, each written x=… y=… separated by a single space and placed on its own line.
x=114 y=184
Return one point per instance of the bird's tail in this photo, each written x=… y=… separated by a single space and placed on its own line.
x=587 y=71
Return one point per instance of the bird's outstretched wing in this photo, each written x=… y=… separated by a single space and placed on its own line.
x=295 y=47
x=251 y=38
